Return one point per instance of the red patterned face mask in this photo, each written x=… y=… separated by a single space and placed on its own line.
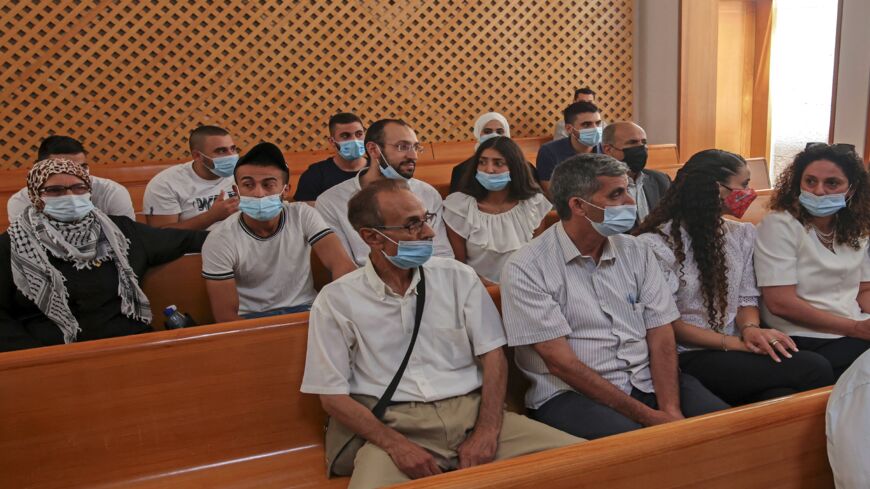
x=739 y=200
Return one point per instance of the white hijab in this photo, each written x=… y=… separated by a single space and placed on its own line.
x=486 y=118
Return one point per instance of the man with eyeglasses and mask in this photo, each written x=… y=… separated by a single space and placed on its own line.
x=108 y=196
x=392 y=149
x=406 y=355
x=626 y=141
x=197 y=194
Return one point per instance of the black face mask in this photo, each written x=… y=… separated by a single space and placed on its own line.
x=635 y=158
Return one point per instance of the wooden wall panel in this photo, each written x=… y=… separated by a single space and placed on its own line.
x=133 y=78
x=698 y=67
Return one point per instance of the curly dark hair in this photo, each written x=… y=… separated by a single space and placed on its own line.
x=692 y=203
x=522 y=185
x=851 y=223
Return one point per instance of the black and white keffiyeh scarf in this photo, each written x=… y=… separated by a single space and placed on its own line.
x=87 y=243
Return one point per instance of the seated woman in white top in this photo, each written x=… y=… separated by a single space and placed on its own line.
x=811 y=254
x=707 y=261
x=496 y=210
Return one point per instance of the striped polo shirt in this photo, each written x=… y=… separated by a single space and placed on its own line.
x=550 y=290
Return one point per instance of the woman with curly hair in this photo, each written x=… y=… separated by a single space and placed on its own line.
x=811 y=255
x=707 y=261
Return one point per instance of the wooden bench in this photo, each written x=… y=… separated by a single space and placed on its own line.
x=778 y=444
x=219 y=406
x=215 y=406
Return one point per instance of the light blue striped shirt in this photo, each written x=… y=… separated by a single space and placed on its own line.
x=550 y=290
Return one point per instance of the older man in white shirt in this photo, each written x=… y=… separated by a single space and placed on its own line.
x=590 y=314
x=447 y=409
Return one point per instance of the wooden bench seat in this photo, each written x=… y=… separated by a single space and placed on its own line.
x=219 y=406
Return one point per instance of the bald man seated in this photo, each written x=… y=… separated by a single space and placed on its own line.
x=626 y=141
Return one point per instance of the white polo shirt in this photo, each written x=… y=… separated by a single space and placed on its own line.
x=787 y=253
x=107 y=195
x=179 y=190
x=270 y=273
x=359 y=331
x=332 y=205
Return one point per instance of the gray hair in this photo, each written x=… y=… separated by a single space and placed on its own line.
x=578 y=177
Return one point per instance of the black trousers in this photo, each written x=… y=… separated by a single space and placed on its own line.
x=742 y=377
x=840 y=352
x=578 y=415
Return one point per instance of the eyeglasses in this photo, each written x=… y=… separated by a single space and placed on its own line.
x=838 y=148
x=58 y=190
x=413 y=227
x=405 y=147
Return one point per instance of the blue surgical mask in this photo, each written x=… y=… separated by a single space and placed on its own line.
x=351 y=150
x=590 y=136
x=822 y=205
x=262 y=208
x=493 y=182
x=617 y=219
x=68 y=208
x=388 y=171
x=224 y=165
x=411 y=254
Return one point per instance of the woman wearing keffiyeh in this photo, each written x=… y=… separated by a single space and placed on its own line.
x=69 y=272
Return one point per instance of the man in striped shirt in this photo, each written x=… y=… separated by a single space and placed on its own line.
x=590 y=314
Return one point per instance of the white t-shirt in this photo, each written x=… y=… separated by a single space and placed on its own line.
x=359 y=331
x=787 y=253
x=107 y=195
x=847 y=425
x=332 y=205
x=271 y=273
x=179 y=190
x=490 y=239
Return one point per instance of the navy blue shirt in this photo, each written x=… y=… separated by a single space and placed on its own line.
x=320 y=177
x=555 y=152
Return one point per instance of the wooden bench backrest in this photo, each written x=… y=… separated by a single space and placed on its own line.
x=140 y=407
x=777 y=444
x=760 y=177
x=178 y=282
x=135 y=407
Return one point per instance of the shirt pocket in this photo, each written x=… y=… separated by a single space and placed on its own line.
x=453 y=345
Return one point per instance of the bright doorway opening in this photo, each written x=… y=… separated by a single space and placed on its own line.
x=801 y=76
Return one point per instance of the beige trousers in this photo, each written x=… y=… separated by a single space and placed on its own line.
x=440 y=427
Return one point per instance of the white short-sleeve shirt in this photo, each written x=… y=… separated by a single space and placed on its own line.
x=179 y=190
x=332 y=205
x=847 y=425
x=270 y=273
x=490 y=239
x=359 y=331
x=107 y=195
x=684 y=280
x=787 y=253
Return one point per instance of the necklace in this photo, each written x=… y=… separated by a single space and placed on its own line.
x=827 y=239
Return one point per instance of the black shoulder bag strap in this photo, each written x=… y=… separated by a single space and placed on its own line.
x=341 y=463
x=381 y=407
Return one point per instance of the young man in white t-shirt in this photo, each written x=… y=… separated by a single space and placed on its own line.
x=393 y=149
x=257 y=262
x=196 y=194
x=108 y=196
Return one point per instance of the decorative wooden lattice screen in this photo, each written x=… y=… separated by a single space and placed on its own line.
x=133 y=78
